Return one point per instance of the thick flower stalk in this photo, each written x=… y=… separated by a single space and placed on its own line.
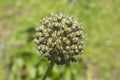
x=60 y=38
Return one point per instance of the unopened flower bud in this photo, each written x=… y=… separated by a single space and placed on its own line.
x=60 y=38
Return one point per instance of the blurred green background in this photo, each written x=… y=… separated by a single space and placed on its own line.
x=19 y=59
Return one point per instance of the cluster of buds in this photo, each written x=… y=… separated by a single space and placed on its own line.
x=59 y=38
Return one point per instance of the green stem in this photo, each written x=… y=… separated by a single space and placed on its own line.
x=48 y=70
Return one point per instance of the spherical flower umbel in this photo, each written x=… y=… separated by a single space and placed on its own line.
x=60 y=38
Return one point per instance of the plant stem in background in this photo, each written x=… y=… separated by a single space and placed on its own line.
x=48 y=70
x=4 y=55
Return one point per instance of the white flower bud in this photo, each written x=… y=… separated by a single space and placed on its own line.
x=77 y=51
x=36 y=41
x=49 y=40
x=78 y=33
x=37 y=28
x=67 y=48
x=54 y=35
x=41 y=27
x=41 y=39
x=79 y=47
x=68 y=42
x=39 y=47
x=39 y=34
